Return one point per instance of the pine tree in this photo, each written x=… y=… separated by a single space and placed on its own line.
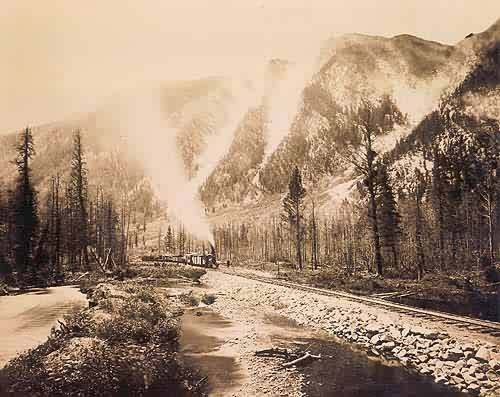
x=389 y=218
x=418 y=194
x=293 y=208
x=181 y=240
x=364 y=159
x=5 y=266
x=25 y=207
x=314 y=238
x=439 y=202
x=169 y=240
x=79 y=196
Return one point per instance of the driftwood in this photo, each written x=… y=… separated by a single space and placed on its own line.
x=81 y=276
x=273 y=352
x=306 y=357
x=284 y=353
x=64 y=327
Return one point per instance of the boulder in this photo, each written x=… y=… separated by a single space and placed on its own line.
x=473 y=388
x=387 y=346
x=394 y=333
x=459 y=365
x=441 y=380
x=472 y=362
x=435 y=348
x=455 y=354
x=425 y=332
x=375 y=352
x=375 y=339
x=385 y=337
x=493 y=376
x=483 y=354
x=456 y=380
x=372 y=328
x=469 y=348
x=439 y=364
x=449 y=364
x=402 y=353
x=423 y=358
x=494 y=364
x=468 y=378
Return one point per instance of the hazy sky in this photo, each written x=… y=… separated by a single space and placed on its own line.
x=63 y=56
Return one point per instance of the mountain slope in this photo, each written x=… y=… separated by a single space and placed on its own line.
x=411 y=83
x=196 y=110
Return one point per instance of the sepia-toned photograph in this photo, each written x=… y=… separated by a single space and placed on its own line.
x=283 y=198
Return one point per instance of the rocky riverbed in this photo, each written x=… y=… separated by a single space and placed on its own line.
x=462 y=359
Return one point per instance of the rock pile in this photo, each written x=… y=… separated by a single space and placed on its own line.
x=468 y=367
x=473 y=368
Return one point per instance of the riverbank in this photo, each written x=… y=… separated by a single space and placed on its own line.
x=461 y=359
x=125 y=344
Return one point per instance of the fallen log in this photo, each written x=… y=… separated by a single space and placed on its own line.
x=273 y=352
x=81 y=276
x=306 y=357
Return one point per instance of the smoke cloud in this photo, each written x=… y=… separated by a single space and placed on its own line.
x=152 y=142
x=285 y=101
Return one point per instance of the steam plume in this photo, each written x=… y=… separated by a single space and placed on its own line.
x=151 y=141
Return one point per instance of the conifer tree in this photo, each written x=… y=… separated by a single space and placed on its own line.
x=389 y=218
x=79 y=192
x=169 y=240
x=5 y=266
x=293 y=208
x=25 y=207
x=364 y=159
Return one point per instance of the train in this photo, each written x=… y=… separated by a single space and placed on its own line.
x=194 y=259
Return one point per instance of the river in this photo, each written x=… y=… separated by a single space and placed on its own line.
x=26 y=319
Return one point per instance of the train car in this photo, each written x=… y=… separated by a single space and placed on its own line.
x=194 y=259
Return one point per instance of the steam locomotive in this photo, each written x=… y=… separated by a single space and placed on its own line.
x=194 y=259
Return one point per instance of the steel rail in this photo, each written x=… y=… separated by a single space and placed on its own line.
x=484 y=326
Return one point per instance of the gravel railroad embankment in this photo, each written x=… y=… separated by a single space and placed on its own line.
x=460 y=358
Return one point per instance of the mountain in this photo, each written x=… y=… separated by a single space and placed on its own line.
x=196 y=110
x=406 y=79
x=240 y=139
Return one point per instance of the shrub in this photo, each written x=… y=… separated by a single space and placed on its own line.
x=492 y=274
x=189 y=299
x=125 y=345
x=208 y=299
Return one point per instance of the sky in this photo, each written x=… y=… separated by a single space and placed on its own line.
x=61 y=57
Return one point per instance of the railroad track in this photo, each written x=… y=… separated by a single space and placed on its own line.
x=469 y=323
